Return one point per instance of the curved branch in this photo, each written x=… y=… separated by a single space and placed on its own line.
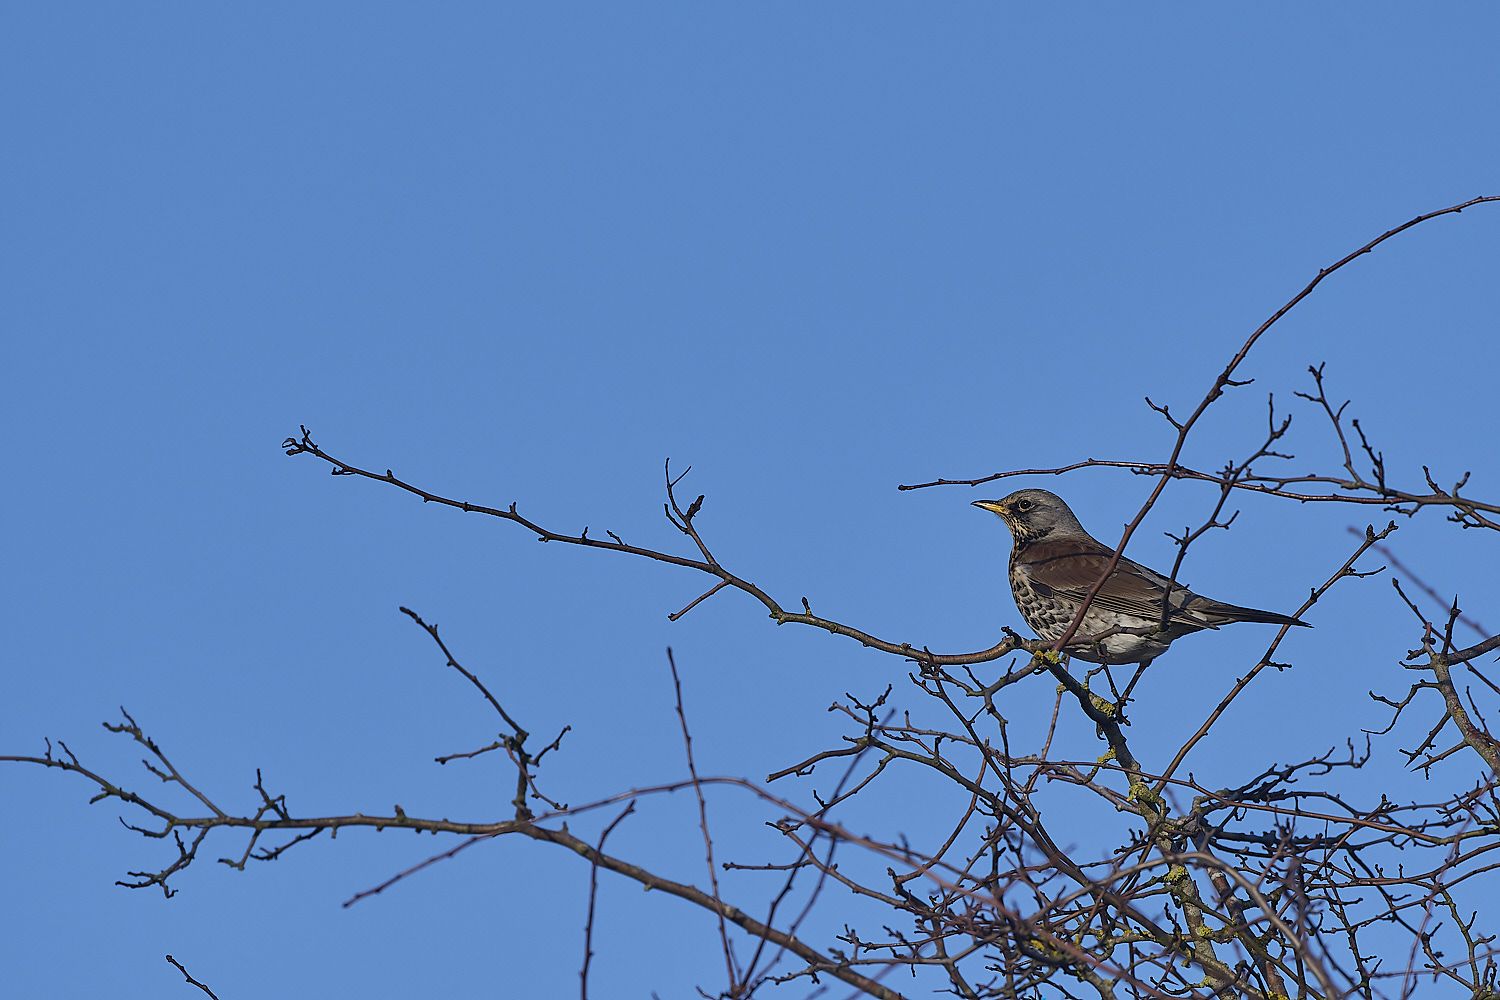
x=305 y=446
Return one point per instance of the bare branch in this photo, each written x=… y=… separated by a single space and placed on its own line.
x=190 y=979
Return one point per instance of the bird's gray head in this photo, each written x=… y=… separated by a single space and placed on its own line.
x=1034 y=514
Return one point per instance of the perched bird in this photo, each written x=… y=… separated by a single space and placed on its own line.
x=1054 y=562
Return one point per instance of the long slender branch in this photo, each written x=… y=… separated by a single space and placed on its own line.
x=588 y=927
x=305 y=446
x=708 y=840
x=1383 y=496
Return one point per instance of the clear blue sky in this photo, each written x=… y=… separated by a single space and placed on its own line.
x=525 y=253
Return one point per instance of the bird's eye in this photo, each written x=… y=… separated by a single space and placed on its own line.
x=1023 y=505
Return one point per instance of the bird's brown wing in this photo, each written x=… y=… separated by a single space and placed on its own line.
x=1070 y=566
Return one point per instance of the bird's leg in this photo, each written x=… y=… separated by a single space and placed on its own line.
x=1139 y=670
x=1100 y=703
x=1109 y=676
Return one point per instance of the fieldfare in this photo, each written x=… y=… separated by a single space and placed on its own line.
x=1054 y=562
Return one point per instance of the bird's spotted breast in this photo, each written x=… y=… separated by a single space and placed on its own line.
x=1048 y=617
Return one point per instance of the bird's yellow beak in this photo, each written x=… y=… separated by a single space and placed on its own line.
x=993 y=506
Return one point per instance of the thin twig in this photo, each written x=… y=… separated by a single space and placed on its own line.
x=708 y=842
x=190 y=979
x=588 y=928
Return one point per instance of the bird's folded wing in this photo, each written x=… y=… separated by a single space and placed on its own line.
x=1069 y=567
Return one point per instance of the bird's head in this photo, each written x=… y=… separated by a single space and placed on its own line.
x=1034 y=514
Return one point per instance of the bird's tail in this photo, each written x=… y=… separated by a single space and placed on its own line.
x=1235 y=613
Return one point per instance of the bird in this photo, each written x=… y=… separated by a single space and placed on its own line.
x=1054 y=563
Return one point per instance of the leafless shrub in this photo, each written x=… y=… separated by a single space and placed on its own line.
x=1291 y=882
